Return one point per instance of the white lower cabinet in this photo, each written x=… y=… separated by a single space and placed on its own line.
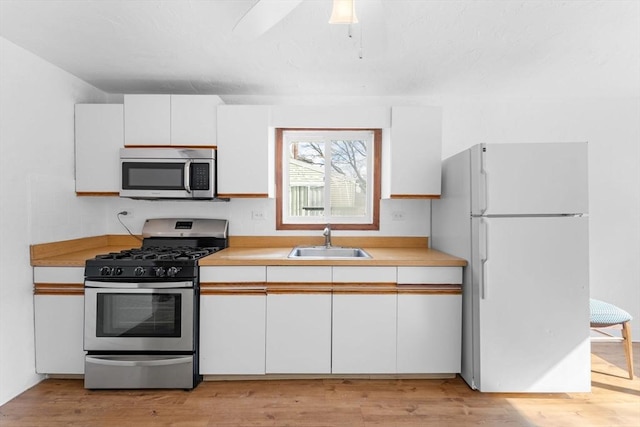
x=299 y=333
x=364 y=333
x=59 y=334
x=232 y=334
x=429 y=333
x=330 y=320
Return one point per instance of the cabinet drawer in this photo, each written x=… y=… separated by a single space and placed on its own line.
x=429 y=275
x=299 y=274
x=364 y=274
x=232 y=274
x=58 y=274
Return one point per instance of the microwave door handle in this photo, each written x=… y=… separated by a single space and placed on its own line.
x=187 y=176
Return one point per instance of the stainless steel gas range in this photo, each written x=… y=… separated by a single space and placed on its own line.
x=142 y=307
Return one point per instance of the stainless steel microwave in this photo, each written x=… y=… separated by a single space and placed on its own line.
x=168 y=173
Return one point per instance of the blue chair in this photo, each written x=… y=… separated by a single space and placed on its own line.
x=605 y=315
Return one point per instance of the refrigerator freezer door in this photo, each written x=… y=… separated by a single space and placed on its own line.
x=529 y=179
x=531 y=304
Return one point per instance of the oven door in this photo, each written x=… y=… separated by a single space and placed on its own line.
x=139 y=316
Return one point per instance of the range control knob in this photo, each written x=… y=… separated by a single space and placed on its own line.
x=172 y=271
x=117 y=271
x=105 y=271
x=159 y=271
x=138 y=271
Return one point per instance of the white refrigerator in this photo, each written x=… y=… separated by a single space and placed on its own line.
x=518 y=214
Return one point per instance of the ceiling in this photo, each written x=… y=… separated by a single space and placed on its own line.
x=399 y=48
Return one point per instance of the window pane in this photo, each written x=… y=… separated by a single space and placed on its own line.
x=306 y=178
x=348 y=178
x=328 y=177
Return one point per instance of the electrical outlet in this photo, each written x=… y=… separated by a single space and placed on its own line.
x=257 y=215
x=397 y=216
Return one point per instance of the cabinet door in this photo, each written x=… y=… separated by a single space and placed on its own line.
x=299 y=333
x=364 y=334
x=429 y=333
x=99 y=135
x=147 y=119
x=244 y=147
x=59 y=331
x=416 y=150
x=193 y=119
x=232 y=334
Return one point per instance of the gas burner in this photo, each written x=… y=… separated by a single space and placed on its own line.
x=159 y=253
x=170 y=251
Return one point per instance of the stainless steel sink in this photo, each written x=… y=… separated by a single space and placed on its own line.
x=331 y=252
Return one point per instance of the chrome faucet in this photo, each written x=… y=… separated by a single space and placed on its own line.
x=327 y=236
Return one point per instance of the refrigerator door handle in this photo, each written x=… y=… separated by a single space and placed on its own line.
x=484 y=257
x=482 y=191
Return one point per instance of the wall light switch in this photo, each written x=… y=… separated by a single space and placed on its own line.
x=257 y=215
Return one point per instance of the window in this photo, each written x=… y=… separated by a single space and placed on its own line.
x=328 y=176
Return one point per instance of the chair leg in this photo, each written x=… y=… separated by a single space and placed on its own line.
x=628 y=349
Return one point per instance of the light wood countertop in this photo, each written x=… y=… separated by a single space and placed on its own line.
x=262 y=250
x=379 y=257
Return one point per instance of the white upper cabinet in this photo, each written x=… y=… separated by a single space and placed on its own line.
x=245 y=151
x=166 y=120
x=99 y=135
x=147 y=119
x=415 y=151
x=193 y=119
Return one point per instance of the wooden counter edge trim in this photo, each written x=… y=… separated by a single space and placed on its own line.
x=58 y=289
x=231 y=291
x=429 y=290
x=97 y=194
x=242 y=196
x=250 y=288
x=414 y=196
x=300 y=288
x=212 y=147
x=367 y=288
x=239 y=288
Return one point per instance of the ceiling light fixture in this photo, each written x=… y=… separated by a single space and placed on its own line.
x=343 y=12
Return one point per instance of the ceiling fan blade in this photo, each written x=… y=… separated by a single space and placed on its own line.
x=262 y=16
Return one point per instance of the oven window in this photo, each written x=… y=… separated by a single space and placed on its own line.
x=139 y=315
x=161 y=176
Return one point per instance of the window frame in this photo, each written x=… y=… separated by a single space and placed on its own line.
x=376 y=186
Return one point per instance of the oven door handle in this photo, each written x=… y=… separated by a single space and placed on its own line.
x=164 y=361
x=138 y=285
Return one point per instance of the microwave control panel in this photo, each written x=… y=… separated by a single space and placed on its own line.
x=200 y=176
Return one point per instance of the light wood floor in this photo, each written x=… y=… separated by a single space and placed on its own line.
x=614 y=401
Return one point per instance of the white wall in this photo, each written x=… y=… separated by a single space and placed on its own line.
x=415 y=222
x=612 y=129
x=37 y=193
